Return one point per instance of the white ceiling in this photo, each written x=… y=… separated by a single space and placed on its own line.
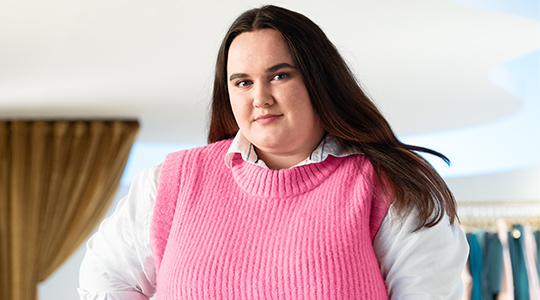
x=426 y=63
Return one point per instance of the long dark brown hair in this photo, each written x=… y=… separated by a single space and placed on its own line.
x=345 y=112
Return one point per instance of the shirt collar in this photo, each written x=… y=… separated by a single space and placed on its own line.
x=328 y=146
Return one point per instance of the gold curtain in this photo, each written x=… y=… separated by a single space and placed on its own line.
x=57 y=180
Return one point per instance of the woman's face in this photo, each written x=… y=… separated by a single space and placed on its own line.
x=268 y=97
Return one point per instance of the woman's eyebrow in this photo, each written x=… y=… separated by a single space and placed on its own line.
x=269 y=70
x=238 y=75
x=280 y=66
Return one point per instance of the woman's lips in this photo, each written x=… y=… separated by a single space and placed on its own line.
x=266 y=119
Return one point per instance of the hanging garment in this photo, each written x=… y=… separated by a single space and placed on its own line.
x=519 y=269
x=480 y=234
x=475 y=266
x=492 y=266
x=530 y=262
x=507 y=280
x=537 y=238
x=466 y=278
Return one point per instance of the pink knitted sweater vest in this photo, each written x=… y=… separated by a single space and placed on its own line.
x=252 y=233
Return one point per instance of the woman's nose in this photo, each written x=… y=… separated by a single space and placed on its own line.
x=262 y=96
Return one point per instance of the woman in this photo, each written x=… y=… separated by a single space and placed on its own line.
x=316 y=199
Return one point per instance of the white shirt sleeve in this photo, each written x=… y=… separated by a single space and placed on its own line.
x=119 y=263
x=425 y=264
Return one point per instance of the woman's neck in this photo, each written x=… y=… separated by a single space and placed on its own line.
x=287 y=160
x=280 y=161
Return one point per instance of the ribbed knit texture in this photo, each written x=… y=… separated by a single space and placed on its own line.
x=252 y=233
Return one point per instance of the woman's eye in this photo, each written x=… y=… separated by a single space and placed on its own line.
x=243 y=83
x=280 y=76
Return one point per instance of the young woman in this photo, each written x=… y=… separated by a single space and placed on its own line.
x=316 y=198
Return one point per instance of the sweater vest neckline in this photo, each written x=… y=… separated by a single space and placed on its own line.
x=262 y=182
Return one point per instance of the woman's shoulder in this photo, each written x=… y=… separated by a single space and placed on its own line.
x=361 y=165
x=149 y=177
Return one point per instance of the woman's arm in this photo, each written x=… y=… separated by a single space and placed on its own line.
x=426 y=264
x=119 y=263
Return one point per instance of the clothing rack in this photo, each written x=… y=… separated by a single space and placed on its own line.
x=484 y=214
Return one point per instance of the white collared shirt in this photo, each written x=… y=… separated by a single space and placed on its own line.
x=119 y=264
x=240 y=144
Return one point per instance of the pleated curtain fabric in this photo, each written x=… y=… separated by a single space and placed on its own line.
x=57 y=180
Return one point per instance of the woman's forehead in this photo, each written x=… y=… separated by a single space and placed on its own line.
x=258 y=49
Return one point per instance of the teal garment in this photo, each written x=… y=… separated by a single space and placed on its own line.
x=537 y=238
x=492 y=266
x=481 y=237
x=475 y=266
x=519 y=269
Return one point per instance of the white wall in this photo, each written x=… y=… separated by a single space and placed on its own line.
x=505 y=186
